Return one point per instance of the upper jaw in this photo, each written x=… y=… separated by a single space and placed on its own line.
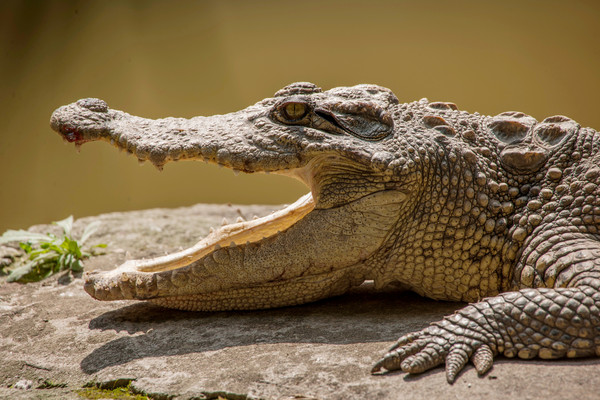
x=239 y=140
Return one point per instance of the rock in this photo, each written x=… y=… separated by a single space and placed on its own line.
x=23 y=384
x=53 y=331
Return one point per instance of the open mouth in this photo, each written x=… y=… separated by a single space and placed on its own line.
x=239 y=233
x=306 y=251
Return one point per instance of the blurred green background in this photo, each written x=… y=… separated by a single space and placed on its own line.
x=187 y=58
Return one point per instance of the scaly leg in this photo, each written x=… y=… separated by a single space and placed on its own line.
x=547 y=323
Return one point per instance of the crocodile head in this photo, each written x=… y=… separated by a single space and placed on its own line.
x=342 y=143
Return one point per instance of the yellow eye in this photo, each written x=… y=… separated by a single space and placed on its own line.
x=294 y=111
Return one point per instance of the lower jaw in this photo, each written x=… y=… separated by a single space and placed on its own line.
x=240 y=233
x=269 y=295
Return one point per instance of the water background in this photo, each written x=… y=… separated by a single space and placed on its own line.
x=187 y=58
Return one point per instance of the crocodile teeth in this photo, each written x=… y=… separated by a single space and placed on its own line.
x=239 y=219
x=237 y=233
x=224 y=222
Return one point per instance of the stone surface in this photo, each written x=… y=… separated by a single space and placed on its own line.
x=53 y=331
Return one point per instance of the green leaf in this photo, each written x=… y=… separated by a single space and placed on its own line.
x=77 y=266
x=49 y=254
x=52 y=247
x=66 y=261
x=89 y=231
x=22 y=236
x=18 y=273
x=66 y=225
x=26 y=246
x=46 y=256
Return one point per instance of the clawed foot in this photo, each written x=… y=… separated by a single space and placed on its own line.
x=446 y=342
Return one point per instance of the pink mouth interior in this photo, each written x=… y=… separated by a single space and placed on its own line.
x=72 y=135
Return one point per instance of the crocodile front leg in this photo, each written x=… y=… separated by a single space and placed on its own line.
x=547 y=323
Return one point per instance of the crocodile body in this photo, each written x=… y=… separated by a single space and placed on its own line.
x=502 y=212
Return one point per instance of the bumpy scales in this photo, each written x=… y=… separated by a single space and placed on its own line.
x=502 y=212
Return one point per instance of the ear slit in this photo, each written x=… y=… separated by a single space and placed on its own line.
x=328 y=116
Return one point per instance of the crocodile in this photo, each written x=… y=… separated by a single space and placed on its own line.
x=501 y=212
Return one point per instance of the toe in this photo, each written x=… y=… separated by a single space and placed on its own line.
x=429 y=357
x=455 y=361
x=394 y=358
x=483 y=359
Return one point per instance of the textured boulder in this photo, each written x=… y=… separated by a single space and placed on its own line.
x=53 y=331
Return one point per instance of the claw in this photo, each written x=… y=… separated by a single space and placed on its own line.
x=379 y=365
x=391 y=361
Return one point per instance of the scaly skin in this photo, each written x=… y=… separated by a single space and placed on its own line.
x=503 y=212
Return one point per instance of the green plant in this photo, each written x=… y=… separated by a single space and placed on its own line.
x=48 y=253
x=117 y=389
x=120 y=393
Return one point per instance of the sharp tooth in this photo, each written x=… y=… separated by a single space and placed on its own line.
x=217 y=246
x=232 y=244
x=255 y=217
x=236 y=172
x=224 y=222
x=141 y=162
x=211 y=230
x=239 y=219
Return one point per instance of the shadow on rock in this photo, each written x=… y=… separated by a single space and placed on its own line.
x=362 y=316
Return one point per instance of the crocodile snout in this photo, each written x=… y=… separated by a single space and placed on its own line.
x=82 y=121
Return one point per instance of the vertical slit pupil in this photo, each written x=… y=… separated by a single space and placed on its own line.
x=295 y=110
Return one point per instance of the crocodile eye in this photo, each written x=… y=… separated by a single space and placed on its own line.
x=294 y=110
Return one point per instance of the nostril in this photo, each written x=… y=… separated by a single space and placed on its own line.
x=92 y=104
